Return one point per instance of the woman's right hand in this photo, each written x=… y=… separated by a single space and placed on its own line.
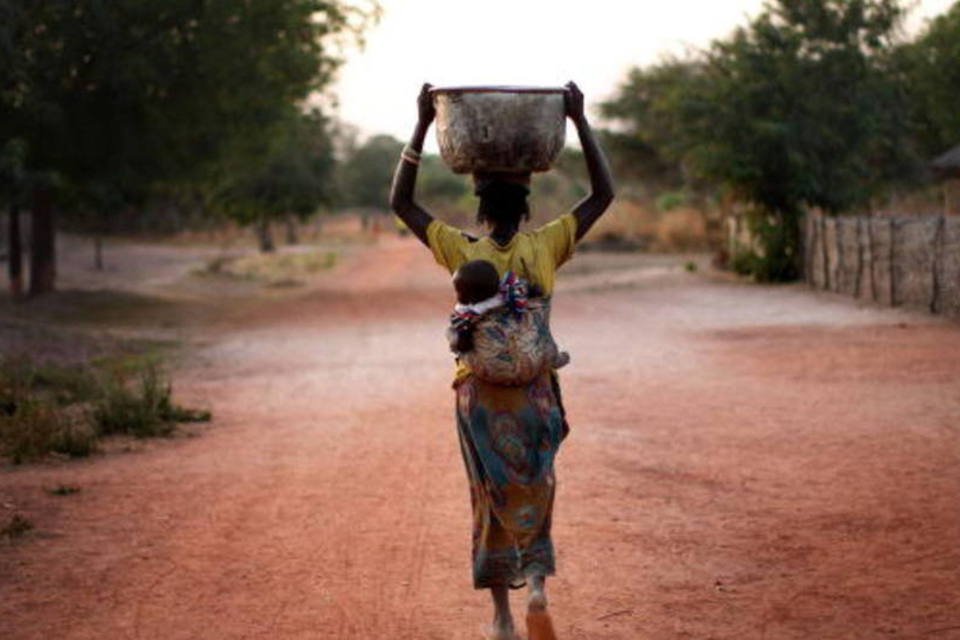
x=425 y=104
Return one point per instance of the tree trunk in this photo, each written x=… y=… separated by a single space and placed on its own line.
x=43 y=256
x=264 y=235
x=292 y=235
x=15 y=253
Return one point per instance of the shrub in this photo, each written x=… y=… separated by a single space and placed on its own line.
x=772 y=257
x=671 y=200
x=146 y=410
x=36 y=428
x=55 y=409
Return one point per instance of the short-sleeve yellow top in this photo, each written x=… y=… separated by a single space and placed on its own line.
x=532 y=255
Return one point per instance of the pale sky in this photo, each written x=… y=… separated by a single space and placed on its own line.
x=529 y=42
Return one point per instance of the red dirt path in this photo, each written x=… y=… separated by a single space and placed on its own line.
x=745 y=462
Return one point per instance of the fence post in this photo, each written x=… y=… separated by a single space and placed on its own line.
x=893 y=242
x=936 y=263
x=823 y=251
x=856 y=282
x=873 y=260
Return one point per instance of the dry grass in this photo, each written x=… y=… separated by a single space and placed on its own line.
x=272 y=269
x=61 y=410
x=631 y=224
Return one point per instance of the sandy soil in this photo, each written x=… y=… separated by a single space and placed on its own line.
x=745 y=462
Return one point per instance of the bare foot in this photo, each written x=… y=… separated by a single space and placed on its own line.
x=537 y=600
x=500 y=631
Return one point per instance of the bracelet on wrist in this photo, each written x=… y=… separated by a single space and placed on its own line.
x=411 y=155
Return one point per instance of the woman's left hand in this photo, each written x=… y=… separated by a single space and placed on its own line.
x=425 y=108
x=573 y=101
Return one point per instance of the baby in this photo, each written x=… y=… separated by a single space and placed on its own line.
x=479 y=292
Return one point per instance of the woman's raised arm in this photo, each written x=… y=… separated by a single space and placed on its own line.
x=589 y=210
x=405 y=177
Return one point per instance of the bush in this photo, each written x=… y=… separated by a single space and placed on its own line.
x=146 y=410
x=671 y=200
x=772 y=258
x=36 y=428
x=65 y=410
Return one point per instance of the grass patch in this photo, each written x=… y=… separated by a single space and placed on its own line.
x=37 y=427
x=144 y=409
x=17 y=527
x=63 y=490
x=66 y=410
x=277 y=270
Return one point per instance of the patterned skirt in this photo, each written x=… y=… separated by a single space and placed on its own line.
x=509 y=437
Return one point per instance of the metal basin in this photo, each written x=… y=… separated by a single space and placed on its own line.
x=500 y=129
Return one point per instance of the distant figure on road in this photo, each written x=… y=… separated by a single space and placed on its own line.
x=509 y=435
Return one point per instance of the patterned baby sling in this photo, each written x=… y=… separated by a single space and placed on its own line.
x=512 y=344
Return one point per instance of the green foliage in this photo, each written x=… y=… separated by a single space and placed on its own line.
x=799 y=108
x=651 y=108
x=671 y=200
x=36 y=427
x=63 y=490
x=144 y=409
x=293 y=175
x=65 y=410
x=778 y=238
x=64 y=384
x=366 y=171
x=930 y=72
x=115 y=101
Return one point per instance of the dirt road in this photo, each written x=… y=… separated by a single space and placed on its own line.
x=745 y=462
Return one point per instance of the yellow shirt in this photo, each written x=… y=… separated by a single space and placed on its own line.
x=532 y=255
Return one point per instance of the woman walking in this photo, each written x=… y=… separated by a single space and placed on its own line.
x=509 y=435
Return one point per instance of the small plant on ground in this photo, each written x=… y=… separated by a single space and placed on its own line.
x=144 y=409
x=16 y=528
x=65 y=410
x=36 y=428
x=63 y=490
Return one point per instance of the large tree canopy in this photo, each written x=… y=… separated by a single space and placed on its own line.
x=798 y=108
x=930 y=68
x=115 y=96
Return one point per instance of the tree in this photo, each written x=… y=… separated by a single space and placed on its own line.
x=116 y=97
x=13 y=194
x=364 y=175
x=930 y=68
x=649 y=109
x=799 y=108
x=293 y=177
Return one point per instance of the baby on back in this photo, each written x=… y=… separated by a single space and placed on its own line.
x=500 y=327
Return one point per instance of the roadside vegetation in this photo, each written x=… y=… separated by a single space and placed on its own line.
x=67 y=410
x=822 y=104
x=826 y=105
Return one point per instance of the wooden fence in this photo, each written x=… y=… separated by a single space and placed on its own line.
x=893 y=260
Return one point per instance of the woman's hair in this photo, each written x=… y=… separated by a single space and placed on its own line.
x=501 y=200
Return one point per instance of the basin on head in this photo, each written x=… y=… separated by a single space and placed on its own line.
x=500 y=129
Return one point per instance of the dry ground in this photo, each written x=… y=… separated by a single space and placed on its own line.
x=745 y=462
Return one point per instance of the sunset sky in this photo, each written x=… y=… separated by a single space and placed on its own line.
x=536 y=42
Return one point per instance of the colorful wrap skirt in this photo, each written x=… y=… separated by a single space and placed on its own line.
x=509 y=437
